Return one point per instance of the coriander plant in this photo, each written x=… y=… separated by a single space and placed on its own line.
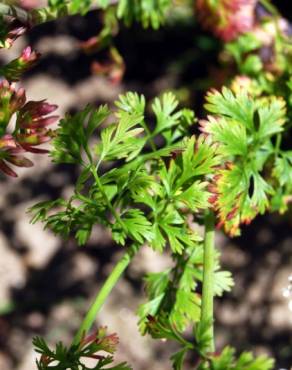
x=146 y=178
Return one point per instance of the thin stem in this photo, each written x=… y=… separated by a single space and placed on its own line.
x=276 y=14
x=149 y=136
x=104 y=292
x=270 y=7
x=207 y=311
x=278 y=144
x=110 y=206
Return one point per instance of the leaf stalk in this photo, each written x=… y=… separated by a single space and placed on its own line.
x=104 y=292
x=207 y=310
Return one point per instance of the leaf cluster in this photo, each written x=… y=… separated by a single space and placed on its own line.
x=146 y=12
x=142 y=193
x=147 y=192
x=248 y=132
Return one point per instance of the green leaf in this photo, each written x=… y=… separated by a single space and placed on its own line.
x=272 y=117
x=103 y=3
x=202 y=336
x=200 y=158
x=242 y=45
x=148 y=12
x=73 y=135
x=231 y=187
x=137 y=225
x=149 y=308
x=186 y=309
x=169 y=176
x=262 y=189
x=283 y=168
x=175 y=230
x=248 y=362
x=243 y=128
x=83 y=177
x=239 y=107
x=235 y=126
x=173 y=293
x=159 y=241
x=227 y=361
x=41 y=209
x=97 y=117
x=156 y=283
x=223 y=282
x=164 y=111
x=195 y=197
x=65 y=217
x=193 y=271
x=178 y=359
x=132 y=103
x=252 y=65
x=240 y=195
x=82 y=235
x=229 y=133
x=80 y=6
x=120 y=139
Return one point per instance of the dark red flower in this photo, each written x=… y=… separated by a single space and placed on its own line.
x=32 y=121
x=30 y=131
x=9 y=153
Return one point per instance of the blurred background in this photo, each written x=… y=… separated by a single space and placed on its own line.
x=46 y=284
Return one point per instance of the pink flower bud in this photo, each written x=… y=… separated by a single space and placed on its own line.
x=14 y=69
x=28 y=56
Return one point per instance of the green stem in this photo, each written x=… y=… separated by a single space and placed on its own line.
x=103 y=293
x=109 y=204
x=207 y=311
x=278 y=144
x=149 y=136
x=270 y=7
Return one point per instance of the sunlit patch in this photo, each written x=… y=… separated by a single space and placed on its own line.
x=287 y=292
